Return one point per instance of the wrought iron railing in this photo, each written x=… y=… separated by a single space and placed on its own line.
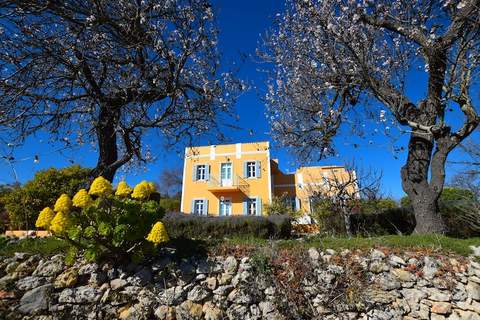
x=236 y=182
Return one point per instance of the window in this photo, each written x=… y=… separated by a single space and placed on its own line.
x=291 y=202
x=251 y=169
x=201 y=172
x=198 y=206
x=252 y=207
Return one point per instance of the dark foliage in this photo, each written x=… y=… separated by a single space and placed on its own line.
x=402 y=221
x=390 y=221
x=202 y=227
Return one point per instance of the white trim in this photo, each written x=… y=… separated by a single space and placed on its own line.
x=224 y=154
x=269 y=174
x=300 y=179
x=212 y=152
x=238 y=147
x=183 y=180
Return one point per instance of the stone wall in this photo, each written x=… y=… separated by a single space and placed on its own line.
x=309 y=285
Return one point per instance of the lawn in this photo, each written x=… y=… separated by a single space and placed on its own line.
x=429 y=243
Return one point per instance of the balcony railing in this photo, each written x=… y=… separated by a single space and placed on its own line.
x=237 y=183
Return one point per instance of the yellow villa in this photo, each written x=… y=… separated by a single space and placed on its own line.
x=238 y=179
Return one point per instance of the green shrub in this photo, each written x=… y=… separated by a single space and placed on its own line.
x=460 y=211
x=100 y=224
x=170 y=204
x=389 y=221
x=24 y=203
x=4 y=219
x=328 y=216
x=281 y=206
x=203 y=227
x=370 y=206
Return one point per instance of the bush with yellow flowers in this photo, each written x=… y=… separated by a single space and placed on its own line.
x=103 y=222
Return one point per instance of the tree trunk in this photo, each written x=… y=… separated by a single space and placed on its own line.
x=107 y=145
x=427 y=215
x=415 y=183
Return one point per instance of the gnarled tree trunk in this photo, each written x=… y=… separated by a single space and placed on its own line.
x=415 y=182
x=107 y=145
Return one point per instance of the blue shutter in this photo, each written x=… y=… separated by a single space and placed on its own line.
x=258 y=173
x=245 y=169
x=205 y=206
x=297 y=204
x=259 y=206
x=194 y=173
x=207 y=172
x=245 y=206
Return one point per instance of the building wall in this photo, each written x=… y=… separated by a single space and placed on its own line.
x=272 y=182
x=214 y=156
x=311 y=180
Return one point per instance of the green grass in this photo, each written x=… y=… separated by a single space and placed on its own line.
x=30 y=245
x=433 y=243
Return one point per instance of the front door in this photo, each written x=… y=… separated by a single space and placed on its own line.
x=225 y=207
x=226 y=174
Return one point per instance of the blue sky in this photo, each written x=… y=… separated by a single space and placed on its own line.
x=241 y=24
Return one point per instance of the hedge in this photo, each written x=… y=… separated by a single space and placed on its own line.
x=402 y=221
x=206 y=227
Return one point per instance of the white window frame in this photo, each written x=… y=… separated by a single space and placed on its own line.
x=198 y=203
x=252 y=206
x=201 y=174
x=251 y=168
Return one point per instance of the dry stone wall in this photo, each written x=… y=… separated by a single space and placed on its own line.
x=320 y=285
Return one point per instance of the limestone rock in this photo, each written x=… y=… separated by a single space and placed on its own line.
x=403 y=275
x=79 y=295
x=31 y=282
x=230 y=265
x=36 y=300
x=211 y=312
x=117 y=284
x=165 y=313
x=239 y=296
x=49 y=268
x=473 y=290
x=189 y=310
x=441 y=307
x=313 y=254
x=67 y=279
x=197 y=294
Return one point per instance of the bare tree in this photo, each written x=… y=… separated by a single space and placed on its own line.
x=342 y=192
x=105 y=72
x=336 y=60
x=171 y=181
x=469 y=175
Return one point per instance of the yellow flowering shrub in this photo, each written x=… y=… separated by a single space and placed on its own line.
x=158 y=234
x=101 y=187
x=123 y=189
x=152 y=187
x=64 y=203
x=60 y=223
x=143 y=190
x=45 y=218
x=108 y=226
x=82 y=199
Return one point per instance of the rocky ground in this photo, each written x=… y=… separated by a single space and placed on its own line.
x=377 y=284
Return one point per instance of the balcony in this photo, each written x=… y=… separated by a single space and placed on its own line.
x=237 y=184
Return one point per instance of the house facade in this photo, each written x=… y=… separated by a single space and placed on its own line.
x=239 y=179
